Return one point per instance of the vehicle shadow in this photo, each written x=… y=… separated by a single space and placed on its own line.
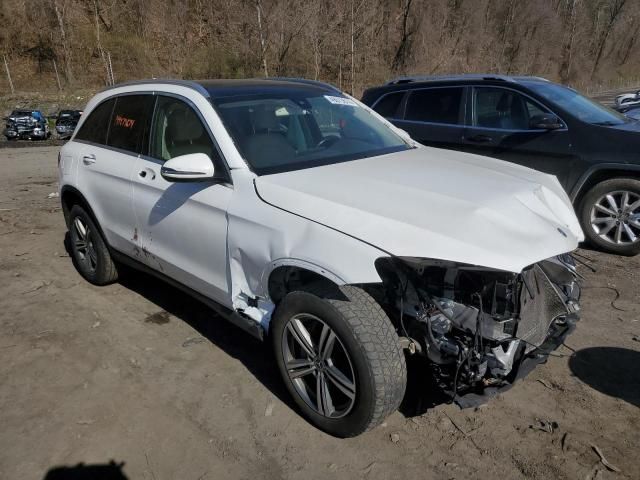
x=102 y=471
x=256 y=356
x=611 y=370
x=421 y=395
x=422 y=392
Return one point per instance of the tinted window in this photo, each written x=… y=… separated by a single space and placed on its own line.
x=503 y=109
x=177 y=130
x=437 y=105
x=389 y=105
x=94 y=129
x=129 y=121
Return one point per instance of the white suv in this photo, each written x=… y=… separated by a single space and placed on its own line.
x=306 y=218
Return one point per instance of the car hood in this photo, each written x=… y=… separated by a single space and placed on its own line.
x=433 y=203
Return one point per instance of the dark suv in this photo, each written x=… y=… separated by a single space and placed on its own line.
x=592 y=150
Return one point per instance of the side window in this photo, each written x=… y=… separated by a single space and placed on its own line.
x=436 y=105
x=129 y=122
x=503 y=109
x=95 y=127
x=177 y=130
x=389 y=105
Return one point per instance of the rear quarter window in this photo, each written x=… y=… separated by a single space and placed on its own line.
x=95 y=127
x=129 y=122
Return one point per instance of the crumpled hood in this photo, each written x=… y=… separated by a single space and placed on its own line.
x=438 y=204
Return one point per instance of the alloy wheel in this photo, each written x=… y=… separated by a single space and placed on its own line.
x=318 y=366
x=83 y=245
x=615 y=217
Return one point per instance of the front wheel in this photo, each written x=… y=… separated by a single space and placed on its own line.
x=610 y=216
x=340 y=358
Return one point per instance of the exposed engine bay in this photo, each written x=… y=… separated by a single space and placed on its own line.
x=480 y=328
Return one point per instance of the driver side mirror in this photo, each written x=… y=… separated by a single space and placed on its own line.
x=192 y=167
x=547 y=121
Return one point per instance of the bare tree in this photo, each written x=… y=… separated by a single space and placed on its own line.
x=59 y=7
x=613 y=9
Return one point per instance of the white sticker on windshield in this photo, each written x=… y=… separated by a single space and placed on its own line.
x=340 y=100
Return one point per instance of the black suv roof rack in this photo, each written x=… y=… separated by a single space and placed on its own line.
x=466 y=76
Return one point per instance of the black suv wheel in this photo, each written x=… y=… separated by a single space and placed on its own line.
x=610 y=215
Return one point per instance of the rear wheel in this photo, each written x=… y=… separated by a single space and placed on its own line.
x=89 y=251
x=340 y=358
x=610 y=215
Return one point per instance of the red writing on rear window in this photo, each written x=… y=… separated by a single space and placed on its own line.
x=124 y=122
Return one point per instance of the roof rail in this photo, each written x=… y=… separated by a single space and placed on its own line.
x=164 y=81
x=465 y=76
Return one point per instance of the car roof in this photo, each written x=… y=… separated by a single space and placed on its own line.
x=232 y=87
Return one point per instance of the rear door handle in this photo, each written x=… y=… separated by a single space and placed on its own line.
x=480 y=139
x=89 y=159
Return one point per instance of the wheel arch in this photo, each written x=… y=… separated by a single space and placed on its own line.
x=278 y=275
x=70 y=196
x=599 y=173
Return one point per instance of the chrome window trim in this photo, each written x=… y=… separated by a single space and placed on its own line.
x=154 y=93
x=472 y=88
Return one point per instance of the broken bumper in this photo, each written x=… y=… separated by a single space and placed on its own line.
x=558 y=332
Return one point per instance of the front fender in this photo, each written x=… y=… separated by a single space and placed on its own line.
x=262 y=237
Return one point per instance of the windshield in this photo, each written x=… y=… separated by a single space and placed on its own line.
x=278 y=132
x=578 y=105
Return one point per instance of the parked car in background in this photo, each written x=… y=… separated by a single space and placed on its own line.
x=66 y=122
x=26 y=125
x=591 y=149
x=310 y=221
x=628 y=99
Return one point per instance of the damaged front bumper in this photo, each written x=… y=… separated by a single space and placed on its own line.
x=482 y=329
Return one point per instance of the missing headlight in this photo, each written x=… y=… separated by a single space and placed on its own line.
x=475 y=324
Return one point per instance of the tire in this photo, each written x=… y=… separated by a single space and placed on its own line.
x=366 y=350
x=89 y=251
x=597 y=214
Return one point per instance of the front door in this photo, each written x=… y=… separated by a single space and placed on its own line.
x=183 y=226
x=500 y=127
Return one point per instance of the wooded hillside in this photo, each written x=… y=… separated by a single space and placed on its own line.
x=350 y=43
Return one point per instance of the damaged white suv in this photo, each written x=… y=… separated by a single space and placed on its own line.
x=307 y=219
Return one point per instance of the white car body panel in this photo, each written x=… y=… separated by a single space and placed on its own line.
x=225 y=240
x=436 y=204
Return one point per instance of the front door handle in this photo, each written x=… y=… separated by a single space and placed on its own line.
x=147 y=173
x=89 y=159
x=480 y=139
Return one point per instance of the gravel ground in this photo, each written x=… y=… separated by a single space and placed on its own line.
x=141 y=375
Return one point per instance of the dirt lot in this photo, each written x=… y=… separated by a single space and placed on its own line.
x=140 y=374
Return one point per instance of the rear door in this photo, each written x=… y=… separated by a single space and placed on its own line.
x=499 y=126
x=435 y=116
x=108 y=143
x=183 y=226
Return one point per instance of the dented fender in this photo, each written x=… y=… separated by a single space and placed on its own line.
x=262 y=237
